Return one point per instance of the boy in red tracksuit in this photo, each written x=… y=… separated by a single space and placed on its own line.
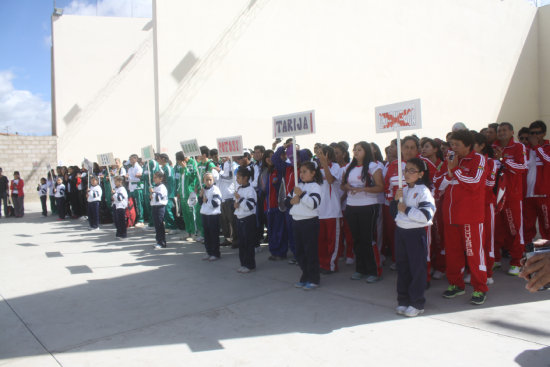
x=509 y=222
x=464 y=214
x=537 y=191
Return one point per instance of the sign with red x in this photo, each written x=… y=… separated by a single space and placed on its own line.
x=398 y=116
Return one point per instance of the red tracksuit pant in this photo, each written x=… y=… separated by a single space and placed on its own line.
x=533 y=209
x=489 y=242
x=345 y=234
x=466 y=239
x=438 y=244
x=329 y=243
x=509 y=231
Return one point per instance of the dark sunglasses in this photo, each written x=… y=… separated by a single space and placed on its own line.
x=536 y=132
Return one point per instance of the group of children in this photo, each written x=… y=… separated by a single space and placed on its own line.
x=440 y=222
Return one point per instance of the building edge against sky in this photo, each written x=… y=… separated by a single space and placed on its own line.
x=225 y=68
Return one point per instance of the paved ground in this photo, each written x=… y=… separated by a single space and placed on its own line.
x=76 y=298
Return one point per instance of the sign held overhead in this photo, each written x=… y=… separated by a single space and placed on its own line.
x=398 y=116
x=300 y=123
x=230 y=146
x=190 y=148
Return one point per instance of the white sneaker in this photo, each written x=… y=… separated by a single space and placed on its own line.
x=205 y=257
x=467 y=278
x=213 y=258
x=350 y=261
x=412 y=312
x=140 y=225
x=393 y=266
x=400 y=310
x=199 y=239
x=490 y=281
x=514 y=270
x=245 y=270
x=437 y=275
x=157 y=246
x=240 y=269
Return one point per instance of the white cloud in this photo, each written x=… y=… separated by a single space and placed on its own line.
x=21 y=111
x=111 y=8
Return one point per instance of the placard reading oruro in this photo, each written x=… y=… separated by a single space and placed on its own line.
x=294 y=124
x=398 y=116
x=190 y=148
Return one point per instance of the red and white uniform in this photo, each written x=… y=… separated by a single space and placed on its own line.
x=509 y=222
x=345 y=232
x=489 y=224
x=464 y=214
x=431 y=229
x=438 y=238
x=537 y=192
x=330 y=214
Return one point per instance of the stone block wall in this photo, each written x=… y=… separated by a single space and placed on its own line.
x=30 y=156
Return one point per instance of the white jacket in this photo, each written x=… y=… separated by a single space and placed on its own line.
x=213 y=201
x=420 y=208
x=247 y=201
x=120 y=198
x=95 y=193
x=159 y=197
x=310 y=200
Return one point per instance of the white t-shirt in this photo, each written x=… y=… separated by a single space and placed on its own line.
x=331 y=194
x=133 y=180
x=355 y=180
x=381 y=195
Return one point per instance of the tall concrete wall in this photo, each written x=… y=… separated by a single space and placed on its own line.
x=226 y=67
x=29 y=155
x=544 y=62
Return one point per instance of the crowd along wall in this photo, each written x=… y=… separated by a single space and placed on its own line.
x=225 y=68
x=29 y=155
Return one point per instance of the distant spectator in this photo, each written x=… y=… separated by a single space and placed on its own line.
x=523 y=135
x=4 y=192
x=17 y=194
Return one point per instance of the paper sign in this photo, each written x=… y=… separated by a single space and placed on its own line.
x=231 y=146
x=106 y=159
x=190 y=148
x=300 y=123
x=398 y=116
x=88 y=164
x=148 y=153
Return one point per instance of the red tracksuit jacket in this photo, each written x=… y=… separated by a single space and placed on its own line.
x=515 y=166
x=542 y=185
x=464 y=200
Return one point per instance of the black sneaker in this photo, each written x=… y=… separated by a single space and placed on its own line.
x=478 y=298
x=453 y=291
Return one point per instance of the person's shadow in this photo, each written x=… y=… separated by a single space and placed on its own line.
x=534 y=358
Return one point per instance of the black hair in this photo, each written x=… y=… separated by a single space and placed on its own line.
x=377 y=152
x=159 y=174
x=267 y=154
x=164 y=156
x=244 y=172
x=538 y=124
x=366 y=162
x=507 y=124
x=523 y=130
x=480 y=139
x=317 y=177
x=213 y=152
x=436 y=145
x=494 y=126
x=180 y=156
x=246 y=155
x=16 y=173
x=465 y=137
x=343 y=149
x=304 y=155
x=204 y=150
x=134 y=156
x=412 y=138
x=43 y=178
x=422 y=167
x=261 y=148
x=329 y=151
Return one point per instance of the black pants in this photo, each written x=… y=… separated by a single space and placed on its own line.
x=120 y=222
x=361 y=221
x=43 y=200
x=4 y=199
x=261 y=218
x=247 y=241
x=306 y=237
x=411 y=257
x=60 y=203
x=93 y=214
x=211 y=225
x=158 y=219
x=229 y=221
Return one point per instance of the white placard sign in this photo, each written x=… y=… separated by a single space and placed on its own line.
x=190 y=148
x=294 y=124
x=88 y=164
x=230 y=146
x=106 y=159
x=148 y=153
x=398 y=116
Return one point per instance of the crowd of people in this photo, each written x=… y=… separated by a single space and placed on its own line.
x=464 y=204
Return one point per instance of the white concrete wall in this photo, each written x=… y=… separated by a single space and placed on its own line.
x=102 y=106
x=544 y=63
x=226 y=67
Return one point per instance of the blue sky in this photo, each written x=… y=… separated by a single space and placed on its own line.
x=25 y=92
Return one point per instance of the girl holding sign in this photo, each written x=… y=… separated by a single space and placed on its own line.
x=363 y=181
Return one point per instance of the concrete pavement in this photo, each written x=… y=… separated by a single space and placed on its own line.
x=72 y=297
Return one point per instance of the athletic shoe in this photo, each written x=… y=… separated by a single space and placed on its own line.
x=467 y=278
x=292 y=261
x=213 y=258
x=300 y=285
x=400 y=310
x=310 y=286
x=357 y=276
x=275 y=258
x=240 y=269
x=514 y=270
x=478 y=298
x=149 y=228
x=373 y=279
x=413 y=312
x=225 y=243
x=393 y=266
x=453 y=291
x=158 y=246
x=199 y=239
x=437 y=275
x=245 y=270
x=205 y=257
x=350 y=261
x=490 y=281
x=497 y=265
